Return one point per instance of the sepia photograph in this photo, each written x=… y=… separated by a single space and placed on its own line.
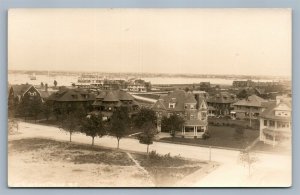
x=144 y=97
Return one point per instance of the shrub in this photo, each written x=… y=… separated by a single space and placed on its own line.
x=205 y=135
x=239 y=132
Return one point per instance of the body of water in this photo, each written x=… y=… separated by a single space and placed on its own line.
x=67 y=80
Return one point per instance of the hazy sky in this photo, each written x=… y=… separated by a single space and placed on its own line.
x=199 y=41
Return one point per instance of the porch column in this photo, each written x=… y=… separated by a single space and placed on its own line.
x=273 y=139
x=196 y=130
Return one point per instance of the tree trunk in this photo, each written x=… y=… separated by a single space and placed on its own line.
x=118 y=143
x=70 y=136
x=93 y=141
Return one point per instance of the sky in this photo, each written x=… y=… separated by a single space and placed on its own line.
x=197 y=41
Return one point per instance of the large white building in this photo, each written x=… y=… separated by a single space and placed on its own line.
x=276 y=122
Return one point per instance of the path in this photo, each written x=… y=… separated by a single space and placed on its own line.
x=271 y=170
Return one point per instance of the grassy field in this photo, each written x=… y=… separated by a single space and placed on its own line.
x=166 y=170
x=49 y=163
x=222 y=136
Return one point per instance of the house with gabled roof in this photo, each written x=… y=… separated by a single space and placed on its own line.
x=18 y=92
x=276 y=122
x=191 y=107
x=221 y=103
x=250 y=107
x=70 y=98
x=107 y=101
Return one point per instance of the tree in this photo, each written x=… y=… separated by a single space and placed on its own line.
x=55 y=83
x=93 y=126
x=23 y=108
x=242 y=94
x=36 y=107
x=70 y=123
x=146 y=122
x=119 y=123
x=143 y=116
x=46 y=87
x=172 y=124
x=148 y=134
x=47 y=110
x=248 y=158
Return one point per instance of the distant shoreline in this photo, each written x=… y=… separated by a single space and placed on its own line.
x=148 y=75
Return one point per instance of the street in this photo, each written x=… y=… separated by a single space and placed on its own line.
x=269 y=170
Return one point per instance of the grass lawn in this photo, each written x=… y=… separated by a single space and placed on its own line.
x=233 y=123
x=222 y=137
x=48 y=163
x=166 y=170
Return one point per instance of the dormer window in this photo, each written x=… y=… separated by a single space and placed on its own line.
x=193 y=106
x=171 y=105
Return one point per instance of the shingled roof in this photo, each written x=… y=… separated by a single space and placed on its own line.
x=72 y=95
x=269 y=112
x=179 y=97
x=19 y=90
x=251 y=101
x=114 y=96
x=222 y=98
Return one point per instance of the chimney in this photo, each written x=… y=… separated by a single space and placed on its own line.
x=278 y=99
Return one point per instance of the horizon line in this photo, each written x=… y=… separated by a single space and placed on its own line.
x=164 y=73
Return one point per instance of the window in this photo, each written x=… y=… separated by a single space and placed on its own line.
x=192 y=117
x=272 y=124
x=203 y=115
x=265 y=123
x=171 y=105
x=193 y=106
x=32 y=93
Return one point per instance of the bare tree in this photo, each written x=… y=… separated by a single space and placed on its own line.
x=248 y=159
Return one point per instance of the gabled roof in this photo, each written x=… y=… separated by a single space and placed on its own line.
x=222 y=98
x=44 y=94
x=19 y=90
x=110 y=97
x=114 y=96
x=124 y=96
x=101 y=95
x=179 y=97
x=72 y=95
x=190 y=99
x=269 y=112
x=252 y=101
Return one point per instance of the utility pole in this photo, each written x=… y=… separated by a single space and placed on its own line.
x=209 y=153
